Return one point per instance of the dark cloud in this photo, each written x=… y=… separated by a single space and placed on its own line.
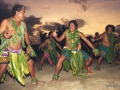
x=83 y=3
x=84 y=7
x=80 y=22
x=51 y=26
x=65 y=21
x=31 y=21
x=5 y=10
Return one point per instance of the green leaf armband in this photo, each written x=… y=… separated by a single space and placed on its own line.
x=32 y=53
x=55 y=76
x=95 y=51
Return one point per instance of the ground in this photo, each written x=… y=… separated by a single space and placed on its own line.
x=106 y=79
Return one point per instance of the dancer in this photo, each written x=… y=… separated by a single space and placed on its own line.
x=72 y=50
x=106 y=46
x=12 y=44
x=50 y=51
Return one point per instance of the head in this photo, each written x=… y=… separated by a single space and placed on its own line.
x=110 y=28
x=73 y=25
x=50 y=34
x=19 y=11
x=96 y=34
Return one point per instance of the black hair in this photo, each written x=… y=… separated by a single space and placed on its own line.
x=49 y=33
x=96 y=33
x=112 y=26
x=18 y=8
x=74 y=22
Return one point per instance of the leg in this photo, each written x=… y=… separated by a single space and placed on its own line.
x=87 y=65
x=88 y=62
x=59 y=66
x=3 y=68
x=41 y=62
x=58 y=55
x=98 y=63
x=46 y=54
x=32 y=72
x=31 y=68
x=114 y=63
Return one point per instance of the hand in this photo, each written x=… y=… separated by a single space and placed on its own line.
x=92 y=39
x=40 y=48
x=28 y=51
x=54 y=34
x=95 y=54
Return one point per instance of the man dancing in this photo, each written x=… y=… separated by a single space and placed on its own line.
x=12 y=44
x=71 y=50
x=50 y=51
x=106 y=46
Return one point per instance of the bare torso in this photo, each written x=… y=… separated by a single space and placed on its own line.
x=49 y=47
x=66 y=43
x=105 y=40
x=11 y=30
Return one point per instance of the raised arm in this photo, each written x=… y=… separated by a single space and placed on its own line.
x=3 y=25
x=45 y=43
x=98 y=38
x=27 y=39
x=26 y=36
x=59 y=39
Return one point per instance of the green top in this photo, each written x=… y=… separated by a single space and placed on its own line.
x=52 y=43
x=19 y=35
x=110 y=38
x=73 y=39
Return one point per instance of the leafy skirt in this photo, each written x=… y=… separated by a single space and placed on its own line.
x=18 y=66
x=75 y=60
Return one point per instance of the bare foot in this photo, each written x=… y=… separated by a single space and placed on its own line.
x=89 y=70
x=36 y=81
x=41 y=82
x=54 y=80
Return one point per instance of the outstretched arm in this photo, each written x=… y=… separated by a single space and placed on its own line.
x=27 y=39
x=44 y=43
x=59 y=39
x=85 y=46
x=86 y=40
x=97 y=38
x=95 y=51
x=30 y=51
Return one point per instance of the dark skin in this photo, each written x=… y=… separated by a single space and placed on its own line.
x=47 y=44
x=6 y=28
x=62 y=57
x=104 y=40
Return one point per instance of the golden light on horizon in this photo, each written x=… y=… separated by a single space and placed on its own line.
x=96 y=13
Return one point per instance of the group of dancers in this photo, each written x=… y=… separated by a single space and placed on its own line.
x=13 y=35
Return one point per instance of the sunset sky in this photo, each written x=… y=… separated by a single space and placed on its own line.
x=92 y=15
